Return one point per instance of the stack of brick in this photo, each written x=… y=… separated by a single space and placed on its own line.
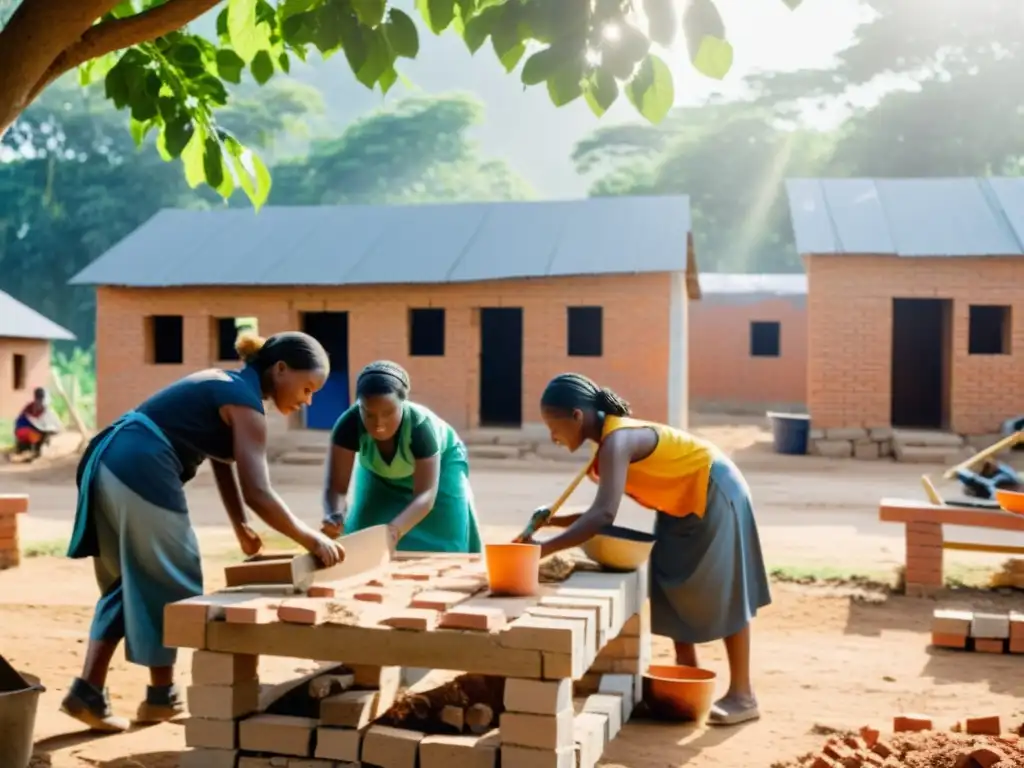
x=978 y=631
x=225 y=689
x=924 y=559
x=11 y=505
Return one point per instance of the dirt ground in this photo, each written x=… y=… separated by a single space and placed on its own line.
x=826 y=655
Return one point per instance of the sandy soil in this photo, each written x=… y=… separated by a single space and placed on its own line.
x=830 y=656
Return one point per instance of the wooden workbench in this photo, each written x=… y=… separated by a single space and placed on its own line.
x=427 y=611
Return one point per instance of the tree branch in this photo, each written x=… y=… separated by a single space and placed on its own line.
x=116 y=34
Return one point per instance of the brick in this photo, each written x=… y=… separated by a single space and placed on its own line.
x=538 y=731
x=293 y=763
x=949 y=622
x=352 y=709
x=990 y=626
x=339 y=743
x=902 y=723
x=882 y=749
x=418 y=619
x=824 y=761
x=524 y=757
x=13 y=504
x=621 y=648
x=223 y=702
x=536 y=633
x=466 y=584
x=386 y=747
x=988 y=645
x=475 y=618
x=330 y=685
x=588 y=732
x=209 y=668
x=212 y=734
x=460 y=751
x=610 y=706
x=251 y=761
x=610 y=610
x=949 y=641
x=370 y=594
x=1016 y=625
x=437 y=600
x=983 y=726
x=259 y=610
x=636 y=626
x=1016 y=645
x=555 y=666
x=277 y=734
x=870 y=736
x=538 y=697
x=208 y=758
x=986 y=757
x=622 y=686
x=414 y=574
x=309 y=611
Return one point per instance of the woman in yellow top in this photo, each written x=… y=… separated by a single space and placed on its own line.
x=707 y=574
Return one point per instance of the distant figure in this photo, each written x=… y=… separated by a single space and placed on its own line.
x=34 y=426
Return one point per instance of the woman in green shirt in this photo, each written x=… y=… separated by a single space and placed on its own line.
x=412 y=474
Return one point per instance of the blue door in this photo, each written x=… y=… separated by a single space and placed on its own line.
x=331 y=330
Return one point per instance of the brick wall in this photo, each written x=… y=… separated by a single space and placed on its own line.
x=723 y=373
x=636 y=328
x=849 y=319
x=36 y=355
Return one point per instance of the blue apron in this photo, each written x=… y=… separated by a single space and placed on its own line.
x=83 y=538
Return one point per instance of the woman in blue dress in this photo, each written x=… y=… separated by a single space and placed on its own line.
x=132 y=517
x=411 y=469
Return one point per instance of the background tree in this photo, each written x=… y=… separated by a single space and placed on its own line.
x=172 y=80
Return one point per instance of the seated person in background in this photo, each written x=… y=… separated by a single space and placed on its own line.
x=34 y=425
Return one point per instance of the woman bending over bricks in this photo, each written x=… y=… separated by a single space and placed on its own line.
x=708 y=578
x=412 y=472
x=132 y=517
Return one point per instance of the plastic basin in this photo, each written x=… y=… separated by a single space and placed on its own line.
x=513 y=569
x=1011 y=501
x=679 y=693
x=18 y=721
x=619 y=549
x=790 y=432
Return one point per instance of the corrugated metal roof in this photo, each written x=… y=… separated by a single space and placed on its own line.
x=718 y=283
x=360 y=244
x=18 y=321
x=908 y=217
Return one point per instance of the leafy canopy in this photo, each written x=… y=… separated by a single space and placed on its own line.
x=173 y=85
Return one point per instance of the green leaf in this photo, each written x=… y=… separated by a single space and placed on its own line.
x=236 y=152
x=507 y=43
x=263 y=183
x=437 y=13
x=222 y=24
x=210 y=89
x=661 y=21
x=138 y=130
x=97 y=68
x=387 y=79
x=478 y=28
x=792 y=4
x=186 y=53
x=512 y=56
x=262 y=67
x=284 y=62
x=651 y=90
x=355 y=43
x=289 y=8
x=176 y=135
x=701 y=19
x=540 y=66
x=230 y=65
x=633 y=43
x=378 y=57
x=600 y=91
x=245 y=35
x=565 y=86
x=402 y=34
x=124 y=9
x=713 y=58
x=213 y=164
x=369 y=12
x=193 y=158
x=116 y=86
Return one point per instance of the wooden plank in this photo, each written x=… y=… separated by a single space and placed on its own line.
x=473 y=652
x=909 y=511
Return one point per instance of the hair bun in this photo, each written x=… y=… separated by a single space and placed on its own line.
x=248 y=345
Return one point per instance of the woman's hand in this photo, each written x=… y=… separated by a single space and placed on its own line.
x=248 y=540
x=333 y=524
x=326 y=550
x=394 y=536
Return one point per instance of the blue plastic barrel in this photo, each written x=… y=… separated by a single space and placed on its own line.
x=790 y=432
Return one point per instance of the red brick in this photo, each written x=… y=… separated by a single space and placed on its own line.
x=911 y=723
x=437 y=600
x=983 y=726
x=823 y=761
x=309 y=611
x=474 y=617
x=13 y=503
x=419 y=619
x=949 y=641
x=988 y=645
x=882 y=749
x=870 y=736
x=986 y=757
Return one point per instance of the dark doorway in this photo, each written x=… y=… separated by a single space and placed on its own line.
x=331 y=330
x=921 y=333
x=501 y=367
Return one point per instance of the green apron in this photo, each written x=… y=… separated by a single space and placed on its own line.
x=381 y=491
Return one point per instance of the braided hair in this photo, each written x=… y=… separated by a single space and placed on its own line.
x=570 y=391
x=383 y=378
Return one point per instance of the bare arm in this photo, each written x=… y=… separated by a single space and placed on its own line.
x=613 y=464
x=337 y=477
x=250 y=441
x=227 y=487
x=425 y=480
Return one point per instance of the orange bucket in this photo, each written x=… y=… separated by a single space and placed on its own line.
x=513 y=569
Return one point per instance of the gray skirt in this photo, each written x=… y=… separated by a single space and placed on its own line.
x=708 y=578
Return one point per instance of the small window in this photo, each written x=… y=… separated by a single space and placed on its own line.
x=168 y=339
x=989 y=330
x=585 y=331
x=426 y=332
x=764 y=339
x=19 y=373
x=227 y=330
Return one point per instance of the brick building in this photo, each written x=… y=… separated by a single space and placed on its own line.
x=25 y=338
x=913 y=307
x=748 y=343
x=482 y=303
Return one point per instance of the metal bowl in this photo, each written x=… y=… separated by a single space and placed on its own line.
x=619 y=549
